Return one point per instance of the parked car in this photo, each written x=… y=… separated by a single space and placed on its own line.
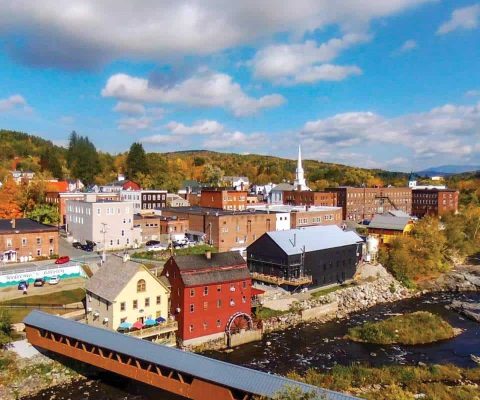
x=54 y=280
x=39 y=282
x=156 y=247
x=87 y=247
x=22 y=285
x=152 y=242
x=62 y=260
x=178 y=244
x=77 y=245
x=90 y=243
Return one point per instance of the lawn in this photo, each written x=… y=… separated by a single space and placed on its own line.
x=56 y=298
x=18 y=314
x=165 y=254
x=416 y=328
x=266 y=313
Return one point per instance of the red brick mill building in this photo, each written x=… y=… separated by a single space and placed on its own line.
x=209 y=294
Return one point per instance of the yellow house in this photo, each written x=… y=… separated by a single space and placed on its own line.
x=123 y=291
x=387 y=227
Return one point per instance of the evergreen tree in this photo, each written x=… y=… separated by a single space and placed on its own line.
x=82 y=159
x=50 y=160
x=136 y=161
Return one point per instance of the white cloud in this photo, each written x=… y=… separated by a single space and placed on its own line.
x=206 y=127
x=125 y=107
x=133 y=124
x=472 y=93
x=407 y=46
x=13 y=103
x=235 y=141
x=159 y=139
x=91 y=33
x=204 y=89
x=462 y=18
x=306 y=62
x=67 y=119
x=449 y=131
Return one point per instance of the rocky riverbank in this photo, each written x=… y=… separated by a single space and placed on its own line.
x=463 y=278
x=469 y=310
x=344 y=302
x=20 y=377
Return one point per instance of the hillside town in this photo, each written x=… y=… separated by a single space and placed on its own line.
x=239 y=200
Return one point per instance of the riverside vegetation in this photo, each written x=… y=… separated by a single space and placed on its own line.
x=415 y=328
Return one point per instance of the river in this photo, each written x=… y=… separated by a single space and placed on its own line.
x=313 y=345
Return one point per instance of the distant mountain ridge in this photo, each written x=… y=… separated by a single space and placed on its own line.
x=446 y=170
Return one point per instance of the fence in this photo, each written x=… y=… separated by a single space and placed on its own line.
x=73 y=306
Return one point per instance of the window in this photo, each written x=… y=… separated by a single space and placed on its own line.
x=232 y=302
x=159 y=300
x=24 y=242
x=244 y=299
x=135 y=304
x=147 y=301
x=111 y=242
x=122 y=306
x=219 y=303
x=192 y=292
x=123 y=232
x=122 y=320
x=51 y=252
x=219 y=288
x=190 y=328
x=51 y=240
x=205 y=305
x=141 y=285
x=205 y=291
x=244 y=284
x=39 y=240
x=205 y=325
x=39 y=252
x=192 y=308
x=218 y=323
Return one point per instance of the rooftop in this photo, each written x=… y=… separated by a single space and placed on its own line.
x=382 y=221
x=283 y=187
x=24 y=225
x=290 y=208
x=313 y=238
x=221 y=267
x=111 y=277
x=210 y=211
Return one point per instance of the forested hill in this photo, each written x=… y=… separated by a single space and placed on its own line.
x=169 y=170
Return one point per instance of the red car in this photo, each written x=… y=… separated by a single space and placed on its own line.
x=62 y=260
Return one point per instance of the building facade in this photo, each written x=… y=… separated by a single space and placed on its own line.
x=435 y=202
x=145 y=199
x=206 y=293
x=24 y=239
x=107 y=223
x=124 y=291
x=158 y=227
x=224 y=199
x=310 y=198
x=360 y=203
x=226 y=230
x=387 y=227
x=314 y=256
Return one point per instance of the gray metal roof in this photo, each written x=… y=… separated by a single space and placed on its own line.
x=24 y=225
x=389 y=222
x=313 y=238
x=113 y=276
x=230 y=375
x=283 y=187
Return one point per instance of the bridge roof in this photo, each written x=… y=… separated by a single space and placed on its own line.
x=229 y=375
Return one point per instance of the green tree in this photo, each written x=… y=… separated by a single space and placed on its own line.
x=136 y=161
x=82 y=159
x=5 y=327
x=45 y=214
x=212 y=175
x=50 y=161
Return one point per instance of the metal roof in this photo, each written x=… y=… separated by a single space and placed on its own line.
x=24 y=225
x=230 y=375
x=389 y=222
x=313 y=238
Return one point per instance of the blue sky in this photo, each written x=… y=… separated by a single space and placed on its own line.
x=389 y=84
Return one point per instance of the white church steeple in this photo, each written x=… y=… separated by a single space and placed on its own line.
x=299 y=182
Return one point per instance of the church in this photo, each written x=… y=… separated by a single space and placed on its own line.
x=300 y=183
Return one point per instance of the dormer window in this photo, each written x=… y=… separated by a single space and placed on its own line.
x=141 y=286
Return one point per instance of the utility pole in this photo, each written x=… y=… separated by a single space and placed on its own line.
x=104 y=231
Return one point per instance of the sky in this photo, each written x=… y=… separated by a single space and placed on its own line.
x=372 y=83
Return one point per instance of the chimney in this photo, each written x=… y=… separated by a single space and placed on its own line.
x=208 y=255
x=13 y=223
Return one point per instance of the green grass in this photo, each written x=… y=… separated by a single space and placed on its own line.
x=266 y=313
x=62 y=297
x=324 y=292
x=416 y=328
x=437 y=382
x=165 y=254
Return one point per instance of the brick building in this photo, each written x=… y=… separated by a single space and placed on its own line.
x=363 y=203
x=207 y=291
x=309 y=198
x=434 y=202
x=224 y=229
x=157 y=227
x=225 y=199
x=24 y=239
